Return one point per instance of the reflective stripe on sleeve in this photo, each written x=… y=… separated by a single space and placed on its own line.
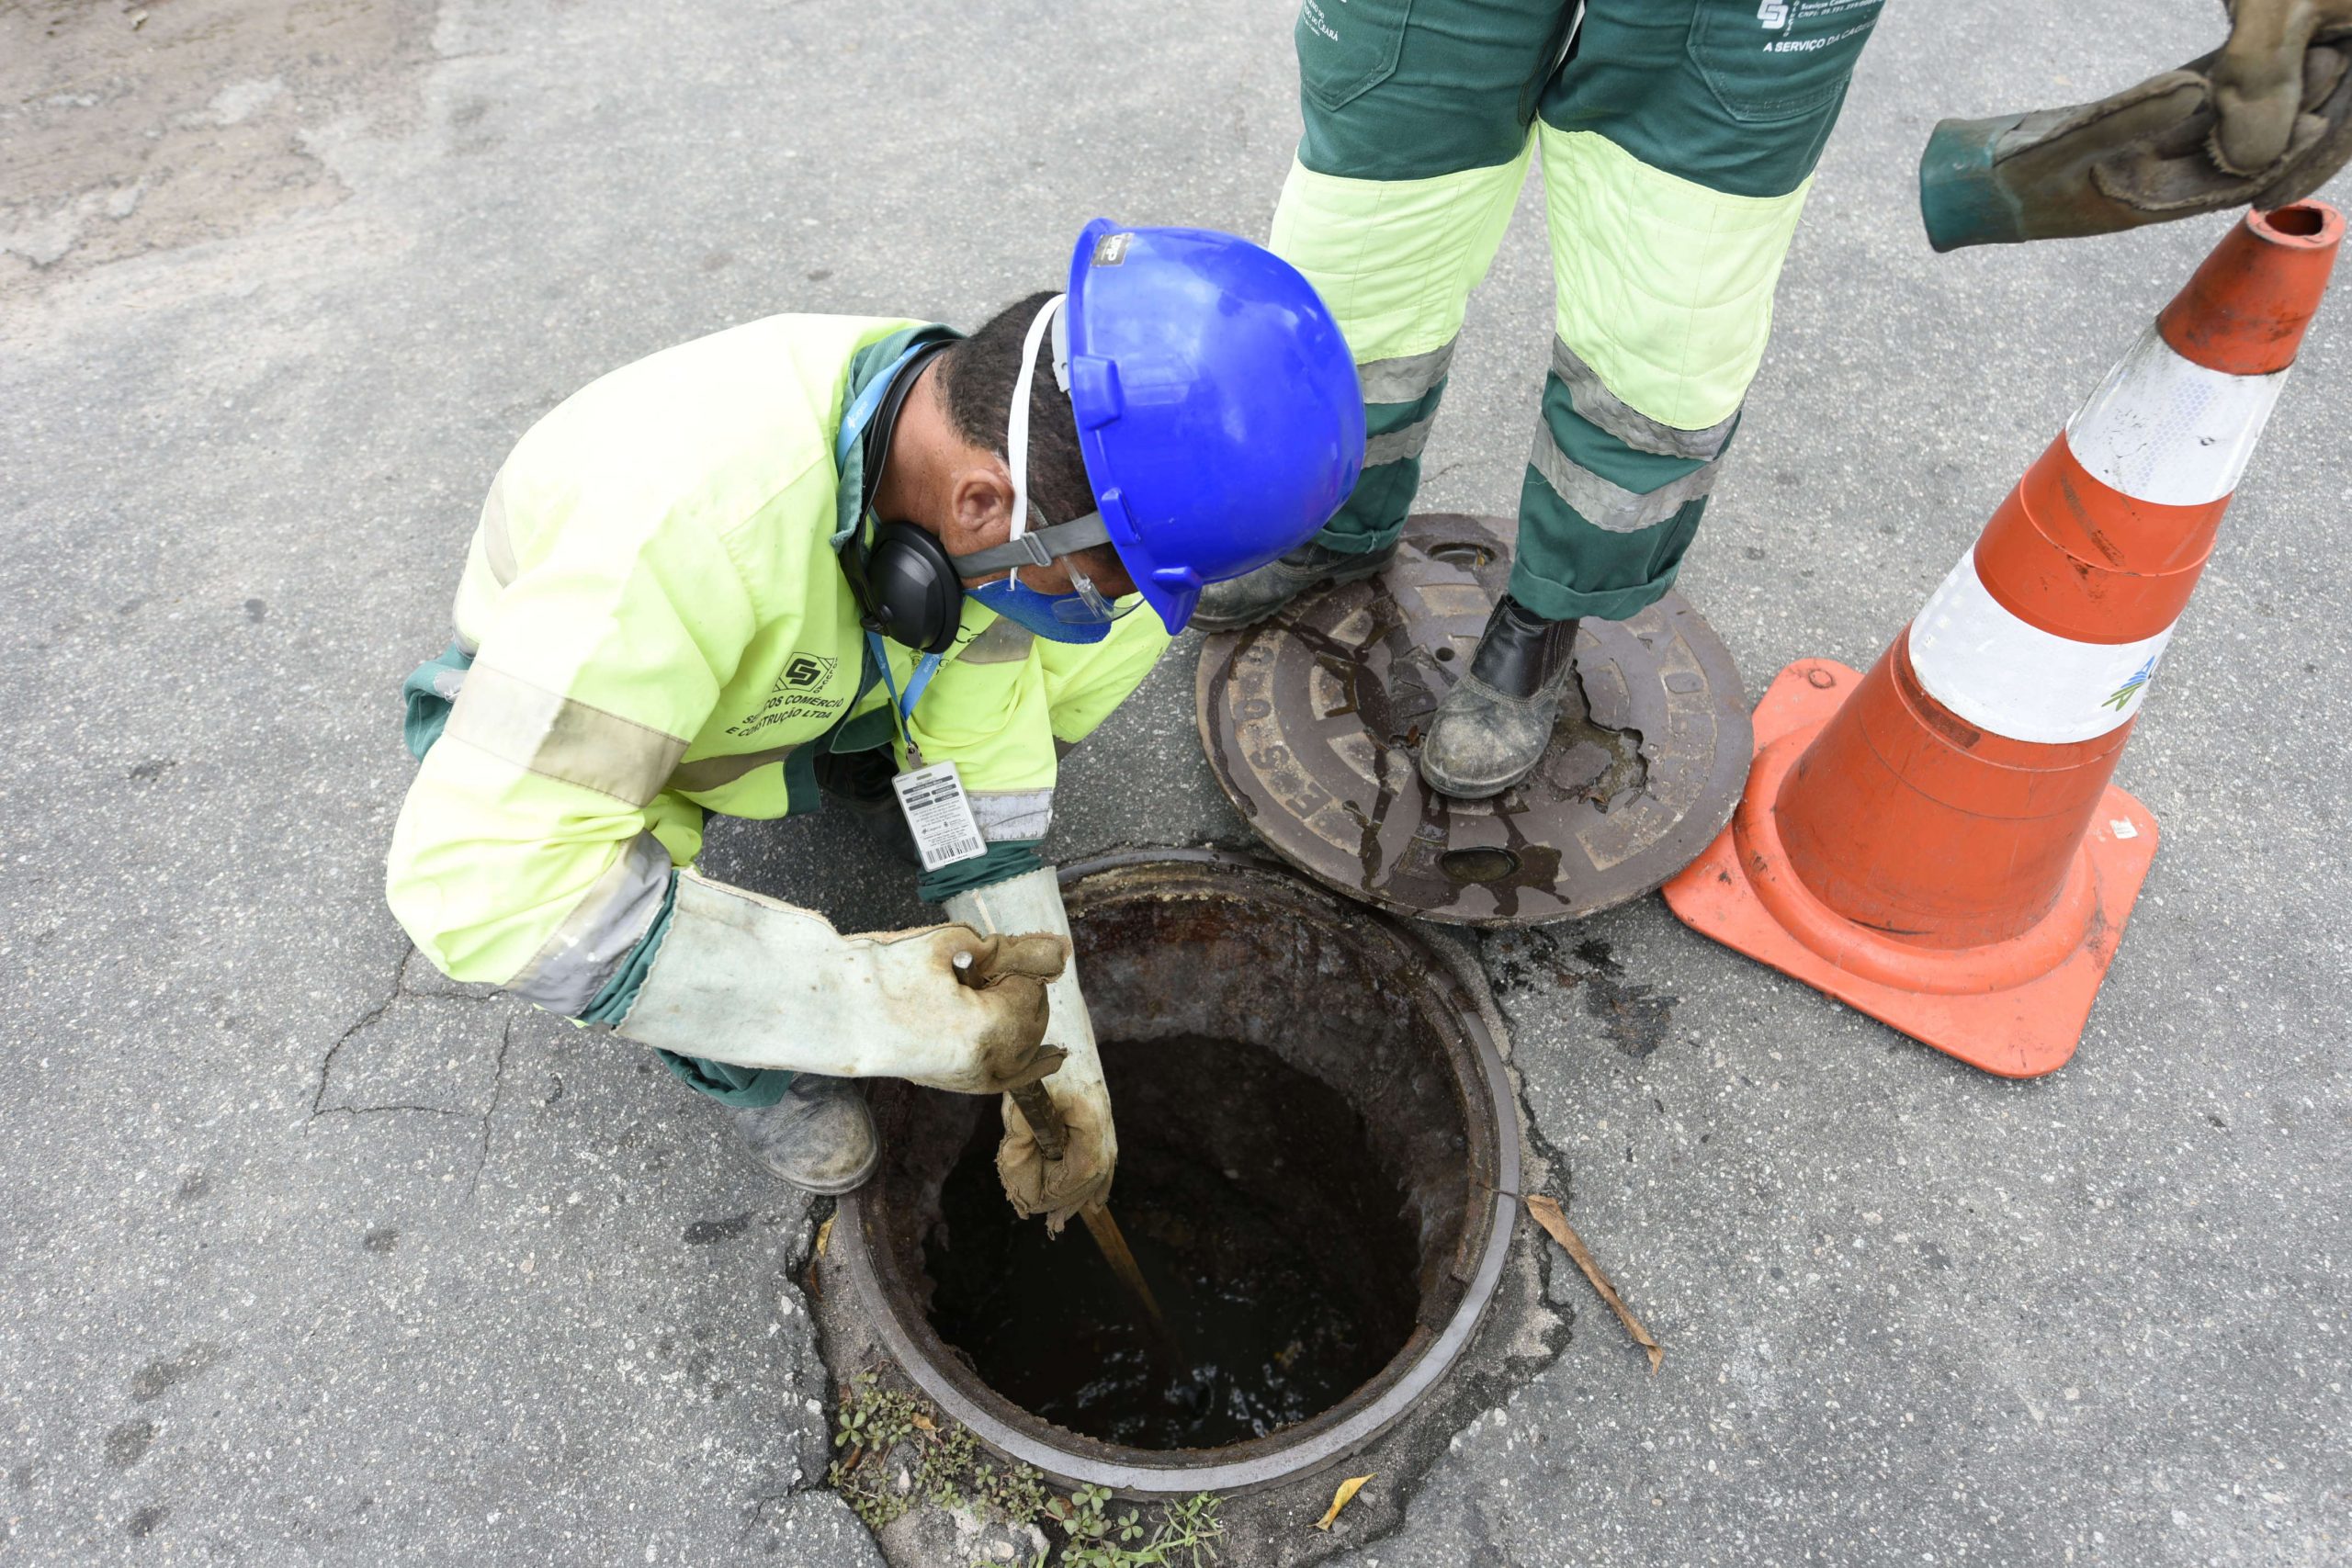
x=1610 y=506
x=611 y=917
x=1604 y=408
x=561 y=738
x=1407 y=378
x=1005 y=815
x=1398 y=445
x=2166 y=429
x=2010 y=677
x=710 y=772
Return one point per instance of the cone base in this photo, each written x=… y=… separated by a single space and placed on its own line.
x=2015 y=1009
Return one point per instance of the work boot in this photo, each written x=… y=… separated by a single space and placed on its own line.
x=820 y=1136
x=861 y=781
x=1492 y=729
x=1251 y=597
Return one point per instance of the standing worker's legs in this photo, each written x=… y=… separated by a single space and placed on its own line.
x=1679 y=142
x=1418 y=118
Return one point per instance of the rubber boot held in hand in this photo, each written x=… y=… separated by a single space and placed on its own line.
x=2266 y=122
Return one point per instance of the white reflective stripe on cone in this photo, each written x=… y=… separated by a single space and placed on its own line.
x=2166 y=429
x=2005 y=675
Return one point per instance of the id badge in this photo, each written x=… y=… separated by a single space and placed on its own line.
x=939 y=815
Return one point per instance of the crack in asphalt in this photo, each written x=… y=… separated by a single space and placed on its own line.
x=497 y=1086
x=375 y=1015
x=319 y=1106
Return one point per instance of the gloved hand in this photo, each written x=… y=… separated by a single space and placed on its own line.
x=2267 y=121
x=2264 y=77
x=1059 y=1188
x=1056 y=1189
x=747 y=980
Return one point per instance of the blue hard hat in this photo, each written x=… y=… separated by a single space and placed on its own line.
x=1217 y=404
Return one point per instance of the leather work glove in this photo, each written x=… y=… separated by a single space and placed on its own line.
x=1058 y=1189
x=747 y=980
x=2262 y=82
x=2264 y=121
x=1035 y=1185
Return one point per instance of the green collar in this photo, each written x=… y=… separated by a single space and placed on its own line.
x=864 y=365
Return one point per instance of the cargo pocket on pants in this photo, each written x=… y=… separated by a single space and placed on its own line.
x=1777 y=62
x=1346 y=48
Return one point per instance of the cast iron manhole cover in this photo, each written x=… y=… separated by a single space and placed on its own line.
x=1313 y=719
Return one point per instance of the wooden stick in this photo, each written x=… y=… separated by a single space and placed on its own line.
x=1044 y=1121
x=1036 y=1108
x=1114 y=1244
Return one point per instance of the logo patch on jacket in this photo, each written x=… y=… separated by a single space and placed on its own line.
x=806 y=669
x=797 y=696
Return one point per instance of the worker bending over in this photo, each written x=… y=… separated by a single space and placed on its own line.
x=873 y=560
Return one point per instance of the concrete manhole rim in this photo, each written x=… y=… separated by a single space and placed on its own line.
x=1366 y=1415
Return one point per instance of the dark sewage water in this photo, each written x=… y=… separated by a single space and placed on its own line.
x=1277 y=1249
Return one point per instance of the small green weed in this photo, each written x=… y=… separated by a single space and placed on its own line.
x=883 y=1433
x=1186 y=1534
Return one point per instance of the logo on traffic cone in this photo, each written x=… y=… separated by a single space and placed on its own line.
x=1936 y=844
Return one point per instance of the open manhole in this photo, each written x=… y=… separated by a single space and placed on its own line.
x=1317 y=1154
x=1313 y=723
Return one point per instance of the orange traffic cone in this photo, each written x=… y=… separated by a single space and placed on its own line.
x=1935 y=843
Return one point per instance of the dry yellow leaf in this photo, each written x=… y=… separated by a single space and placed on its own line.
x=1339 y=1499
x=1547 y=1214
x=924 y=1423
x=824 y=1234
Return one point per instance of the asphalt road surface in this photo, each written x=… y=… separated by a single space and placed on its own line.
x=308 y=1256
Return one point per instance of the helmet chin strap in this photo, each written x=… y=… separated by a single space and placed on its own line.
x=1016 y=435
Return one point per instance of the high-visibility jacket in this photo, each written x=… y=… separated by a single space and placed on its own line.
x=657 y=626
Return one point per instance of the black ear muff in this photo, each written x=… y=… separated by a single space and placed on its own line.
x=911 y=588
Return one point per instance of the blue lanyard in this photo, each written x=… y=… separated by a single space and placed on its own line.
x=853 y=418
x=903 y=709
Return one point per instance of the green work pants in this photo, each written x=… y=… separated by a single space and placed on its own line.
x=1678 y=140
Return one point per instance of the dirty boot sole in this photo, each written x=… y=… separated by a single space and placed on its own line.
x=1247 y=599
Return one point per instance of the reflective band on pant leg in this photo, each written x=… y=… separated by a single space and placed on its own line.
x=1398 y=445
x=559 y=737
x=2166 y=429
x=1663 y=287
x=1603 y=408
x=1602 y=524
x=1407 y=378
x=1610 y=506
x=581 y=954
x=1565 y=567
x=2016 y=680
x=1395 y=436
